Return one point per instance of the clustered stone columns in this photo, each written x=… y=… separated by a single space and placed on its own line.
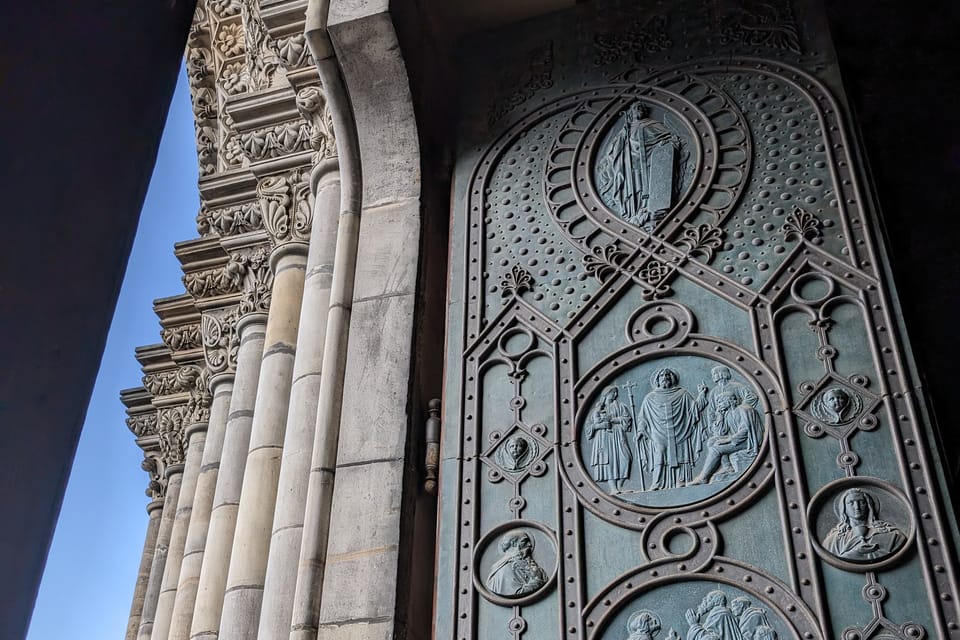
x=234 y=543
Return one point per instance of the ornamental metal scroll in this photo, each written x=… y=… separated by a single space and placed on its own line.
x=681 y=404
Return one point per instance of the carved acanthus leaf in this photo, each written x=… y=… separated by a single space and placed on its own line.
x=278 y=140
x=206 y=150
x=143 y=424
x=257 y=281
x=221 y=343
x=224 y=8
x=294 y=52
x=170 y=423
x=229 y=221
x=284 y=219
x=181 y=338
x=312 y=105
x=758 y=23
x=215 y=282
x=234 y=78
x=161 y=383
x=263 y=59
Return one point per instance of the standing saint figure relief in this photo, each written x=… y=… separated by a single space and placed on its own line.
x=516 y=573
x=860 y=534
x=671 y=421
x=639 y=168
x=610 y=454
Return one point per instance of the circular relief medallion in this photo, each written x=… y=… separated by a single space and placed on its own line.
x=672 y=431
x=515 y=562
x=700 y=610
x=860 y=524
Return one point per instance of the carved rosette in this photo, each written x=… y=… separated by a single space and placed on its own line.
x=312 y=105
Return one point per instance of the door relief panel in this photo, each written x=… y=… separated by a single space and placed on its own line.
x=677 y=406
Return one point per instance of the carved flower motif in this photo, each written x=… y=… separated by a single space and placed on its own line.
x=233 y=151
x=230 y=41
x=234 y=78
x=223 y=7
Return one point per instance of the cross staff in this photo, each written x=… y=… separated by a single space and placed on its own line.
x=628 y=387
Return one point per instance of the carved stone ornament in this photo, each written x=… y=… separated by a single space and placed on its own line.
x=837 y=406
x=157 y=485
x=221 y=341
x=257 y=281
x=182 y=338
x=861 y=523
x=517 y=453
x=216 y=282
x=275 y=141
x=312 y=105
x=230 y=40
x=170 y=424
x=143 y=424
x=516 y=562
x=661 y=443
x=263 y=59
x=229 y=221
x=641 y=165
x=285 y=209
x=721 y=613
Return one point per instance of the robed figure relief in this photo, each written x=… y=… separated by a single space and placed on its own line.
x=516 y=572
x=639 y=168
x=733 y=440
x=610 y=453
x=860 y=534
x=715 y=618
x=670 y=422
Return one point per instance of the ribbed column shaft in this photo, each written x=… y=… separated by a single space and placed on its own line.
x=226 y=497
x=221 y=388
x=248 y=562
x=281 y=577
x=167 y=517
x=154 y=509
x=196 y=439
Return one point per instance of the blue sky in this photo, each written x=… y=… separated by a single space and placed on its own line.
x=92 y=566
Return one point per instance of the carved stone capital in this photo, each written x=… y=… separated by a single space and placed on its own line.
x=182 y=338
x=312 y=105
x=216 y=282
x=170 y=425
x=229 y=221
x=143 y=425
x=286 y=214
x=221 y=341
x=257 y=281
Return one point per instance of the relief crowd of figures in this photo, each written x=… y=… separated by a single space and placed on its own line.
x=673 y=432
x=713 y=619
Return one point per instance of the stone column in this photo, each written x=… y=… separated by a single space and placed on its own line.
x=154 y=510
x=281 y=577
x=248 y=562
x=226 y=497
x=152 y=592
x=221 y=388
x=171 y=571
